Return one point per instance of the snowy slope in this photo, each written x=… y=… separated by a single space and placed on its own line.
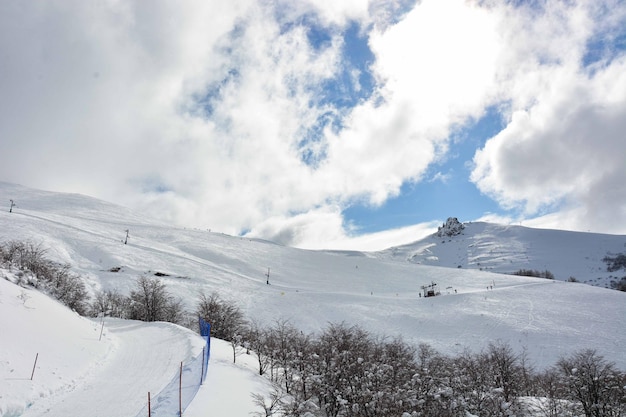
x=310 y=288
x=505 y=249
x=79 y=372
x=32 y=325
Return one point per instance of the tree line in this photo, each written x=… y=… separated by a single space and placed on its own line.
x=347 y=371
x=534 y=273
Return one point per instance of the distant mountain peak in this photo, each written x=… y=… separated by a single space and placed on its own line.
x=451 y=227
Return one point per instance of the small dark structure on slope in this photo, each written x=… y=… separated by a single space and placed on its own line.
x=430 y=290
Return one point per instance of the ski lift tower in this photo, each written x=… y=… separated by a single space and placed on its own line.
x=430 y=290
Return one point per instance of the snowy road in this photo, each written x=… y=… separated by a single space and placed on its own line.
x=144 y=358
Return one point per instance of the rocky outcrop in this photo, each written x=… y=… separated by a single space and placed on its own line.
x=451 y=227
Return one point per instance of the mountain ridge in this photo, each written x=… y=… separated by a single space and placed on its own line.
x=509 y=248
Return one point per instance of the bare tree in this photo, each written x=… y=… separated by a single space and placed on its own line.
x=594 y=383
x=507 y=372
x=258 y=340
x=550 y=401
x=150 y=301
x=473 y=382
x=227 y=321
x=269 y=406
x=110 y=303
x=283 y=335
x=432 y=382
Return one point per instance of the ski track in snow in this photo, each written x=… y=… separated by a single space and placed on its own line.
x=145 y=357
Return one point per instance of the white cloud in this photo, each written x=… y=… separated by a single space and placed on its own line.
x=310 y=230
x=382 y=240
x=441 y=177
x=439 y=79
x=91 y=91
x=324 y=228
x=110 y=107
x=196 y=112
x=563 y=147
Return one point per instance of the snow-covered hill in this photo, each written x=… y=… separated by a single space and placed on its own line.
x=506 y=249
x=84 y=369
x=379 y=291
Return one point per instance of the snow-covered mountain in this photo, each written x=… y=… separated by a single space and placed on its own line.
x=506 y=249
x=381 y=292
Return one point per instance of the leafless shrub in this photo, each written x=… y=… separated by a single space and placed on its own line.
x=594 y=383
x=227 y=321
x=150 y=301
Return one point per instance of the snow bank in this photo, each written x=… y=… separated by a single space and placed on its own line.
x=76 y=369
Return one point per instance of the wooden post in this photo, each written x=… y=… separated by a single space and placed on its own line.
x=180 y=391
x=33 y=373
x=101 y=329
x=149 y=411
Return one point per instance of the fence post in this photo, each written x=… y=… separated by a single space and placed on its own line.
x=101 y=329
x=33 y=373
x=180 y=391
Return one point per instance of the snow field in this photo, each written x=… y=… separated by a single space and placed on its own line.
x=75 y=370
x=548 y=319
x=378 y=291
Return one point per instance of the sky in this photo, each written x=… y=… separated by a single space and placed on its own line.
x=358 y=124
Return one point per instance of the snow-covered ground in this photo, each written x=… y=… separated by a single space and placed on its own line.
x=378 y=291
x=81 y=373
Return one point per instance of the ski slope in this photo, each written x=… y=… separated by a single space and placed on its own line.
x=134 y=368
x=79 y=372
x=547 y=319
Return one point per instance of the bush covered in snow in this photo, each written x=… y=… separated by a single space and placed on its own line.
x=36 y=270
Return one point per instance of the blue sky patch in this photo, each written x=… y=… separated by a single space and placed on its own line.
x=604 y=48
x=355 y=82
